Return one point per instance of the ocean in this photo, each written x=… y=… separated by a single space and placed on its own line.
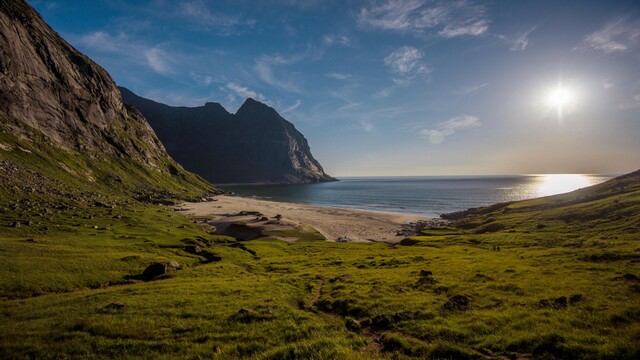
x=427 y=196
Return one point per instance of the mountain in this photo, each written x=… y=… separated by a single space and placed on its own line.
x=62 y=117
x=255 y=145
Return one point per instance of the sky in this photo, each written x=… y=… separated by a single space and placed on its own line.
x=392 y=87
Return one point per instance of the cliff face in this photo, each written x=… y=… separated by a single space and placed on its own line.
x=55 y=100
x=256 y=145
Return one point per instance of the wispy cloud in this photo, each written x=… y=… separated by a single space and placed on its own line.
x=264 y=66
x=406 y=64
x=154 y=57
x=619 y=35
x=446 y=128
x=449 y=19
x=245 y=92
x=198 y=13
x=336 y=39
x=339 y=76
x=158 y=60
x=518 y=42
x=470 y=89
x=292 y=107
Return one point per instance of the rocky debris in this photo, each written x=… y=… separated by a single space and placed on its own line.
x=154 y=270
x=278 y=217
x=15 y=224
x=242 y=231
x=341 y=278
x=627 y=277
x=483 y=277
x=343 y=239
x=248 y=316
x=576 y=298
x=116 y=306
x=457 y=302
x=249 y=213
x=196 y=250
x=560 y=302
x=426 y=277
x=173 y=265
x=416 y=228
x=193 y=249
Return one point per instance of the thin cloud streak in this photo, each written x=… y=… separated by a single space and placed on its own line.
x=447 y=128
x=617 y=36
x=454 y=18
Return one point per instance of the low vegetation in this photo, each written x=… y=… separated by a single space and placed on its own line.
x=549 y=278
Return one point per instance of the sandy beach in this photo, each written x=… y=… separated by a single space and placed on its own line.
x=359 y=225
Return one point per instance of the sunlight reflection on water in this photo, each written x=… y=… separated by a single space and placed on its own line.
x=552 y=184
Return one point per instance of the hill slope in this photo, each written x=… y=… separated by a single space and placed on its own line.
x=256 y=145
x=62 y=116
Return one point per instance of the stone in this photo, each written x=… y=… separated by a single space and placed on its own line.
x=154 y=270
x=116 y=306
x=457 y=302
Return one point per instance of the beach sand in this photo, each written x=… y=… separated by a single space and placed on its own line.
x=359 y=225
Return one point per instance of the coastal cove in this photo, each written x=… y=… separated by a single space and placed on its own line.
x=426 y=196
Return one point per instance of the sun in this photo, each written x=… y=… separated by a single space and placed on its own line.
x=561 y=99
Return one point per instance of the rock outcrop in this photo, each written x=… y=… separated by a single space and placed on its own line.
x=255 y=145
x=58 y=106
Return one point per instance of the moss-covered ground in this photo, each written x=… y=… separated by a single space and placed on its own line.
x=552 y=278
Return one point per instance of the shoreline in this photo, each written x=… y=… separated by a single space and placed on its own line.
x=331 y=222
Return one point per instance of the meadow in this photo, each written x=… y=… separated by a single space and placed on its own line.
x=548 y=278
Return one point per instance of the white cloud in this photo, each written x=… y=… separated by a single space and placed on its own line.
x=447 y=128
x=245 y=92
x=158 y=60
x=406 y=63
x=452 y=18
x=470 y=89
x=292 y=107
x=518 y=42
x=338 y=76
x=264 y=68
x=336 y=39
x=197 y=12
x=102 y=41
x=617 y=36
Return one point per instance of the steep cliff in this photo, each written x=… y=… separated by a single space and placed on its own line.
x=255 y=145
x=62 y=115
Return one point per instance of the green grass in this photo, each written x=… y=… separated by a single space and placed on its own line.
x=269 y=299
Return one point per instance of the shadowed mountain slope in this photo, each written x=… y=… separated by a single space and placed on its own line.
x=256 y=145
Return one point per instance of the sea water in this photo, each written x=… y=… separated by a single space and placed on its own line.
x=428 y=196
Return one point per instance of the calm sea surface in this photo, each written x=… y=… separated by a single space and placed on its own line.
x=429 y=196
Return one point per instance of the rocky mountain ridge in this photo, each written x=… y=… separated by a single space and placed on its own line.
x=254 y=145
x=62 y=115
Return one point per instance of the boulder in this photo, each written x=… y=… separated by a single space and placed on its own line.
x=457 y=302
x=154 y=270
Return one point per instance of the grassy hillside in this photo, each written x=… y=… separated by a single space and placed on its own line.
x=565 y=283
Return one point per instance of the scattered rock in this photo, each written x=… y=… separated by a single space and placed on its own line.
x=457 y=302
x=560 y=303
x=116 y=306
x=576 y=298
x=15 y=224
x=627 y=277
x=30 y=240
x=483 y=277
x=154 y=270
x=173 y=264
x=425 y=273
x=426 y=277
x=193 y=249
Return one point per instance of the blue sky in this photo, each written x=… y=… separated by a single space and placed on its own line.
x=392 y=87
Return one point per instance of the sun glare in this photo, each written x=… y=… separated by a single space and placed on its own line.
x=560 y=99
x=553 y=184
